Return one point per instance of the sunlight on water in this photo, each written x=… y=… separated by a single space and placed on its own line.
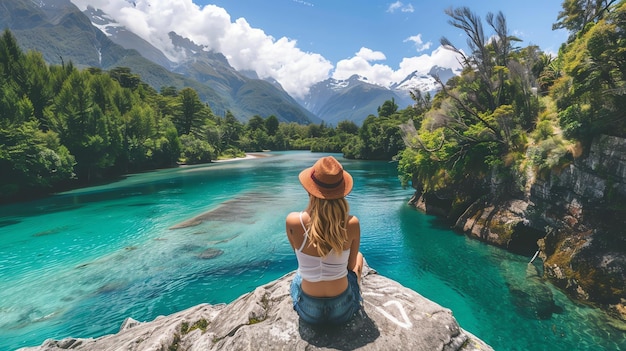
x=77 y=264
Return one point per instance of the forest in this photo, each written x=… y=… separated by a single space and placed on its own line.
x=513 y=111
x=61 y=127
x=516 y=112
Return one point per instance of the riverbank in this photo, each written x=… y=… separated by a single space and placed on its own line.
x=248 y=156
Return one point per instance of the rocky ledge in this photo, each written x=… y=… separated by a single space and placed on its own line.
x=393 y=318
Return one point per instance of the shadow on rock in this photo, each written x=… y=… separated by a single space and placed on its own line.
x=360 y=331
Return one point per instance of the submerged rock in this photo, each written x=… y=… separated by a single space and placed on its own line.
x=210 y=253
x=393 y=318
x=532 y=297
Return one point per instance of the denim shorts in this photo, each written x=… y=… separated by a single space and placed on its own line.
x=326 y=310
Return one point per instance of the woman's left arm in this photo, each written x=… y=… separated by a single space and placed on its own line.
x=354 y=233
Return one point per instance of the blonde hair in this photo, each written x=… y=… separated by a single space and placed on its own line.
x=328 y=224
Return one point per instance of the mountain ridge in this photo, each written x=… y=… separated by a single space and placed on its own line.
x=345 y=103
x=351 y=99
x=62 y=33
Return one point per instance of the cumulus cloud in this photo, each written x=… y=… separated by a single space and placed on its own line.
x=363 y=64
x=245 y=47
x=399 y=6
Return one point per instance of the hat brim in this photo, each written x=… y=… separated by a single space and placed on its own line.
x=338 y=192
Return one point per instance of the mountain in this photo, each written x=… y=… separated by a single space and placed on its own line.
x=352 y=99
x=62 y=33
x=244 y=91
x=425 y=81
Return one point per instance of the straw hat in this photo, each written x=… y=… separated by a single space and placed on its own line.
x=326 y=179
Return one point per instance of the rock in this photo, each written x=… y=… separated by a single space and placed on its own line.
x=531 y=296
x=210 y=253
x=393 y=318
x=504 y=224
x=574 y=215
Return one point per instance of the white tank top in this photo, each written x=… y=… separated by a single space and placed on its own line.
x=317 y=269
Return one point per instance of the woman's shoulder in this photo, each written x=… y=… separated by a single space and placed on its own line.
x=353 y=220
x=293 y=217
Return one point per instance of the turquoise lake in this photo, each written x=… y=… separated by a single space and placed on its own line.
x=78 y=263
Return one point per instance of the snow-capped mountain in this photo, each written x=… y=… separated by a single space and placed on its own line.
x=356 y=98
x=425 y=82
x=127 y=39
x=352 y=99
x=341 y=95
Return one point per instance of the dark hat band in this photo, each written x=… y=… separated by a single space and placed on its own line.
x=325 y=185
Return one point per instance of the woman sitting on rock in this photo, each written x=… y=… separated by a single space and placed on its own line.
x=326 y=239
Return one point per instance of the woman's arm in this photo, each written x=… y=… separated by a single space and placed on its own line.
x=292 y=223
x=354 y=235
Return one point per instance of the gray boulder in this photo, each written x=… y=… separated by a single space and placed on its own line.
x=393 y=318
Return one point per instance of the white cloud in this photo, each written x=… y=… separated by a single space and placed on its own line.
x=398 y=5
x=250 y=48
x=303 y=3
x=361 y=64
x=419 y=44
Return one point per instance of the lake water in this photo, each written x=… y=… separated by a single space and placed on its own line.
x=78 y=263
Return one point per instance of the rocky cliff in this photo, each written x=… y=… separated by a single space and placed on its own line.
x=393 y=318
x=575 y=216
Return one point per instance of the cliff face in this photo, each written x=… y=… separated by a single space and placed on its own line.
x=575 y=216
x=584 y=251
x=393 y=318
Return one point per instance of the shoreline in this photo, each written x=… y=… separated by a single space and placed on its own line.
x=247 y=157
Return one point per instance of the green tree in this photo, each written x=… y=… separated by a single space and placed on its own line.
x=348 y=127
x=32 y=161
x=476 y=126
x=230 y=131
x=38 y=87
x=124 y=76
x=577 y=14
x=271 y=125
x=590 y=94
x=191 y=114
x=83 y=127
x=388 y=108
x=12 y=62
x=195 y=150
x=256 y=122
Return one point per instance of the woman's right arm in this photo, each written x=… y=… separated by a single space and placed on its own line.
x=291 y=224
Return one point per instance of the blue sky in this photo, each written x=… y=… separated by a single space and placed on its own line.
x=301 y=42
x=337 y=29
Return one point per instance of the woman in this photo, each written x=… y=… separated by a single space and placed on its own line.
x=326 y=239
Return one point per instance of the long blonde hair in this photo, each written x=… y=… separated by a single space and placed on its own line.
x=328 y=224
